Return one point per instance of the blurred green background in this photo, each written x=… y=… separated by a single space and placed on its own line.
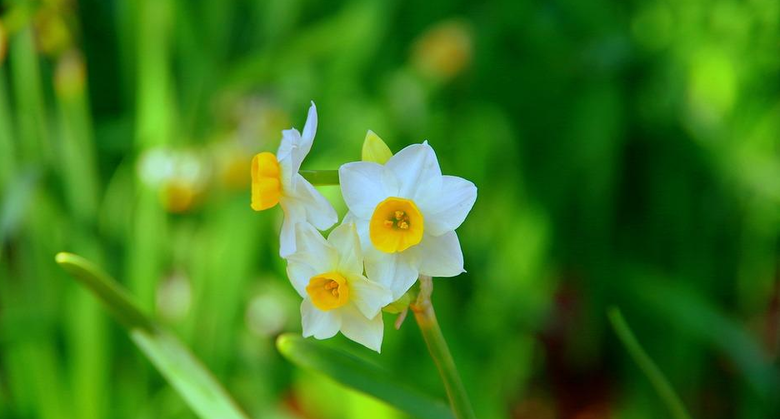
x=625 y=154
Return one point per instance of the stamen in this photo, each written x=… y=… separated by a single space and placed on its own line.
x=389 y=223
x=399 y=215
x=403 y=225
x=331 y=285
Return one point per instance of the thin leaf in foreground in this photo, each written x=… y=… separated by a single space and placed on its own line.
x=360 y=375
x=199 y=389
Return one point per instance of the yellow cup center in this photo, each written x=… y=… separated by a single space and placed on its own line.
x=328 y=291
x=266 y=182
x=396 y=225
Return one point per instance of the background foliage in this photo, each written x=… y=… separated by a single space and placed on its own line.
x=625 y=154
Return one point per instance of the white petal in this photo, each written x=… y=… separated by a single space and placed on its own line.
x=294 y=146
x=364 y=185
x=300 y=273
x=345 y=239
x=310 y=128
x=361 y=226
x=440 y=256
x=369 y=297
x=396 y=271
x=367 y=332
x=444 y=210
x=312 y=249
x=290 y=138
x=414 y=166
x=319 y=211
x=293 y=214
x=318 y=323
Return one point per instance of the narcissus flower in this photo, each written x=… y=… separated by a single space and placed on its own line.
x=328 y=274
x=406 y=214
x=275 y=180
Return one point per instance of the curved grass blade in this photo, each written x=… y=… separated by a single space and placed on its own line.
x=689 y=312
x=360 y=375
x=648 y=367
x=199 y=389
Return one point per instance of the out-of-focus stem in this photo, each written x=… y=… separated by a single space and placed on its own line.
x=440 y=352
x=321 y=177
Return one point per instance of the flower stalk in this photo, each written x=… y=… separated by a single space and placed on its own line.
x=321 y=177
x=440 y=352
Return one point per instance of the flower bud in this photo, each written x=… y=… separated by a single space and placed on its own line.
x=375 y=150
x=399 y=305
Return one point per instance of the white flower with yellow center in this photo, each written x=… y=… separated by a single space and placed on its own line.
x=275 y=180
x=406 y=214
x=328 y=274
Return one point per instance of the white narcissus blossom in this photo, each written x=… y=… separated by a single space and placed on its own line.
x=275 y=180
x=406 y=214
x=328 y=274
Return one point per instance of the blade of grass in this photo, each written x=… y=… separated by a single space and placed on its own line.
x=648 y=367
x=30 y=107
x=204 y=395
x=7 y=149
x=360 y=375
x=687 y=311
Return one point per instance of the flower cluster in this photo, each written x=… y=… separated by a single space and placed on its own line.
x=401 y=224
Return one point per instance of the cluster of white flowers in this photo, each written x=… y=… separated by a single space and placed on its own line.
x=401 y=224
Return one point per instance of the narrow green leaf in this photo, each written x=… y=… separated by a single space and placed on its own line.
x=360 y=375
x=184 y=372
x=648 y=367
x=687 y=311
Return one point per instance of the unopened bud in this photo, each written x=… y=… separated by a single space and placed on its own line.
x=375 y=150
x=400 y=305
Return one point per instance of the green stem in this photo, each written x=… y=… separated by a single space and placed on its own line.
x=437 y=346
x=648 y=367
x=321 y=177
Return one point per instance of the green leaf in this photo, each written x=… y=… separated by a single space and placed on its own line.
x=360 y=375
x=176 y=363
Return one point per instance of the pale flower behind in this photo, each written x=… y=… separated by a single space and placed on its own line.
x=328 y=274
x=406 y=214
x=275 y=180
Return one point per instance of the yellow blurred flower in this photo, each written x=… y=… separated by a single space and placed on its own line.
x=445 y=50
x=53 y=35
x=179 y=176
x=177 y=196
x=254 y=122
x=3 y=42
